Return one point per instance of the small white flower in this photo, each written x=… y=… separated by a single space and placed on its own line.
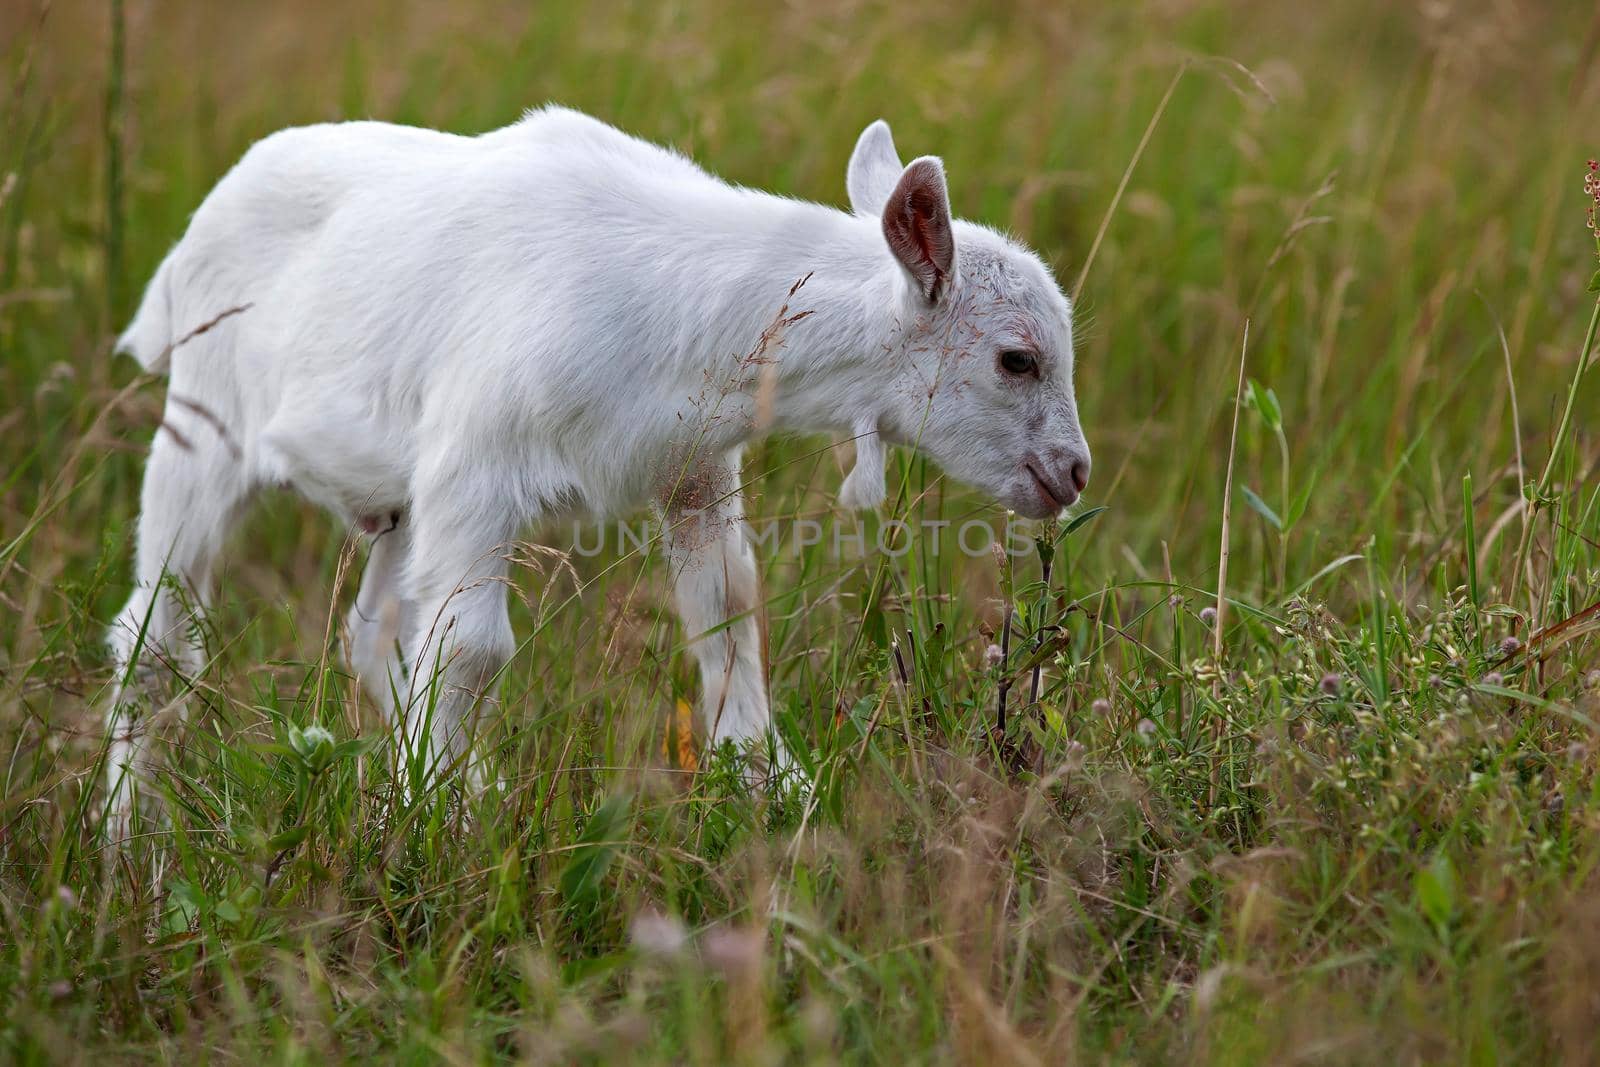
x=316 y=736
x=314 y=744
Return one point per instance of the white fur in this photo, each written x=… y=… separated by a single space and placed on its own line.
x=552 y=319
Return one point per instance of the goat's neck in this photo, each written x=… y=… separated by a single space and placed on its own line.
x=820 y=359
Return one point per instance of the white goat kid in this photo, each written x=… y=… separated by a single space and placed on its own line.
x=445 y=339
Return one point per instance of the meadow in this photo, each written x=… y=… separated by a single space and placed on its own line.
x=1281 y=748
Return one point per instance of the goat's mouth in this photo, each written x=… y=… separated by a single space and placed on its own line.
x=1054 y=498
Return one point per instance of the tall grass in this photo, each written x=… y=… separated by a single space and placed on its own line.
x=1339 y=805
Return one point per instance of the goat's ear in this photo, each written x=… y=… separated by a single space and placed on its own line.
x=874 y=168
x=916 y=222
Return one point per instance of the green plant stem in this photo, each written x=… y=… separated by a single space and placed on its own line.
x=1556 y=447
x=1284 y=507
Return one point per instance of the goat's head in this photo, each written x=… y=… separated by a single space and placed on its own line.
x=982 y=364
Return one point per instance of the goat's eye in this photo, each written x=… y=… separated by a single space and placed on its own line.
x=1016 y=361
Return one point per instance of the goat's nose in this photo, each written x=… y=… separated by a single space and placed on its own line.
x=1080 y=472
x=1070 y=465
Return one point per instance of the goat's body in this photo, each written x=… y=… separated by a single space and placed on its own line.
x=444 y=338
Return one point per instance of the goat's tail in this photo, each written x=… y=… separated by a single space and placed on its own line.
x=148 y=337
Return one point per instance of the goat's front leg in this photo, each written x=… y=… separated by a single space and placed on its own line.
x=460 y=635
x=717 y=592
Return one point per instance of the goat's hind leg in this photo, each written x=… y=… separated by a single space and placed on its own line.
x=193 y=495
x=382 y=618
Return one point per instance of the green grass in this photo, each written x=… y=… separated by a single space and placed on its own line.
x=1366 y=834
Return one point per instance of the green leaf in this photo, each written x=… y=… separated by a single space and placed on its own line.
x=1436 y=890
x=1297 y=507
x=597 y=847
x=184 y=903
x=1049 y=648
x=288 y=838
x=1265 y=401
x=1261 y=506
x=353 y=747
x=1078 y=520
x=1594 y=283
x=1326 y=570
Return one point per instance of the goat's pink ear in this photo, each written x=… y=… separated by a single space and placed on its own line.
x=916 y=222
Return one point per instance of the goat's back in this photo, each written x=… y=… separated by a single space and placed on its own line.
x=287 y=187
